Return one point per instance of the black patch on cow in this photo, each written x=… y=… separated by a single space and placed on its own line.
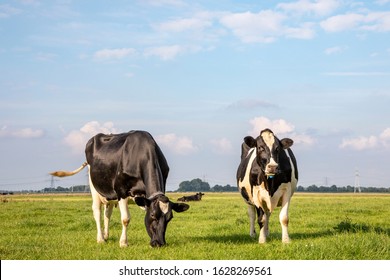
x=243 y=166
x=257 y=175
x=195 y=197
x=126 y=164
x=260 y=214
x=294 y=161
x=245 y=194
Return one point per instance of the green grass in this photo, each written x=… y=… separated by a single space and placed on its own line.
x=322 y=226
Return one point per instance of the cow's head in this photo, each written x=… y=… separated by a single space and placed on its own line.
x=270 y=151
x=158 y=214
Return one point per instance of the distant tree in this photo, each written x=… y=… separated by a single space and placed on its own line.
x=312 y=188
x=227 y=188
x=195 y=185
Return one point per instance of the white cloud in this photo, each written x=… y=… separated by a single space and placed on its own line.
x=7 y=11
x=302 y=138
x=222 y=146
x=164 y=3
x=185 y=24
x=335 y=50
x=25 y=133
x=277 y=126
x=374 y=21
x=179 y=145
x=318 y=7
x=262 y=27
x=341 y=22
x=265 y=26
x=305 y=31
x=281 y=128
x=113 y=53
x=164 y=52
x=385 y=135
x=46 y=56
x=77 y=139
x=382 y=2
x=367 y=142
x=360 y=143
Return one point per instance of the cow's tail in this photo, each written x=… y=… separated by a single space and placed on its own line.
x=61 y=173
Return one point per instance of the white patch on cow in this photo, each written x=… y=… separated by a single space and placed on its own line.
x=245 y=183
x=97 y=202
x=269 y=140
x=164 y=206
x=261 y=198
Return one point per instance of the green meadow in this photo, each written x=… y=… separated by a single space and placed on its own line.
x=322 y=227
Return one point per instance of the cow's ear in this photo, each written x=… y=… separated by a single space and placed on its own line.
x=142 y=201
x=250 y=141
x=180 y=207
x=286 y=143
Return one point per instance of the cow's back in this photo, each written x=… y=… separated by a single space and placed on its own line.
x=126 y=164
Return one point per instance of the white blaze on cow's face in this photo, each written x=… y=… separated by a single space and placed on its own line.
x=271 y=165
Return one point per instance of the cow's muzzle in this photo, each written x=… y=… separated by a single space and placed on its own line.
x=271 y=170
x=156 y=243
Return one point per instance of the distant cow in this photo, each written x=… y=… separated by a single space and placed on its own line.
x=128 y=165
x=267 y=177
x=195 y=197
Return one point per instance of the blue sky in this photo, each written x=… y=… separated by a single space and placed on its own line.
x=199 y=76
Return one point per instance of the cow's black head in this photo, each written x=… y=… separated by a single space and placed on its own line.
x=271 y=157
x=158 y=214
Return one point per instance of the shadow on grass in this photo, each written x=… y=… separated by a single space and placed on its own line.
x=348 y=226
x=233 y=238
x=246 y=239
x=345 y=226
x=311 y=235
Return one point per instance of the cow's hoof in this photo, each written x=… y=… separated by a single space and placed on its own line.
x=123 y=245
x=262 y=240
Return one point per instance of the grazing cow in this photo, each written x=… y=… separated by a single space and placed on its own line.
x=195 y=197
x=128 y=165
x=267 y=177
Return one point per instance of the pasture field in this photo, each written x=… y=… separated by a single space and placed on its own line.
x=322 y=227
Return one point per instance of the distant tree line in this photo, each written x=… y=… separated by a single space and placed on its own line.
x=198 y=185
x=78 y=188
x=347 y=189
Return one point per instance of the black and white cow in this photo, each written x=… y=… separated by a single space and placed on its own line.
x=267 y=177
x=195 y=197
x=128 y=165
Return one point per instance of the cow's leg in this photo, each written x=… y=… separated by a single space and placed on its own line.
x=263 y=219
x=96 y=208
x=107 y=216
x=125 y=218
x=283 y=218
x=252 y=217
